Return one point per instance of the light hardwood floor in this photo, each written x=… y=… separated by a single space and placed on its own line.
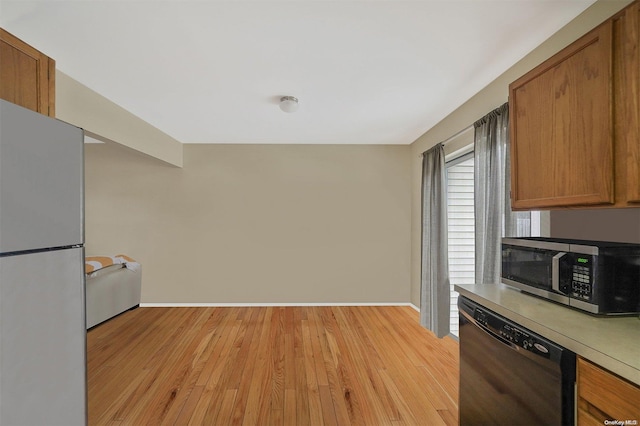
x=271 y=366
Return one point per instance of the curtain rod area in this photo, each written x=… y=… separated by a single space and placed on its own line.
x=450 y=138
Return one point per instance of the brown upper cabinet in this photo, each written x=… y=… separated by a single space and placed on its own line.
x=27 y=76
x=628 y=125
x=574 y=122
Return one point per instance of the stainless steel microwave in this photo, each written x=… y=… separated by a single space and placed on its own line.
x=594 y=276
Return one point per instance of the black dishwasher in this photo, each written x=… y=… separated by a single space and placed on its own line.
x=510 y=375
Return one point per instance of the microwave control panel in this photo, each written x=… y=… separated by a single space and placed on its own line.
x=581 y=280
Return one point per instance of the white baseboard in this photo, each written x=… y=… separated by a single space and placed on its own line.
x=243 y=305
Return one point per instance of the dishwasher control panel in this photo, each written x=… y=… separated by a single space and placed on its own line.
x=511 y=333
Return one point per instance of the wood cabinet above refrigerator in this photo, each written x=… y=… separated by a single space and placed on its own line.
x=27 y=76
x=575 y=138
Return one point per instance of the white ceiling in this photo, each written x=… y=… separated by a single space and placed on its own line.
x=366 y=72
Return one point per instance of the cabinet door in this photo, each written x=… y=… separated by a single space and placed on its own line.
x=603 y=396
x=562 y=127
x=631 y=102
x=27 y=76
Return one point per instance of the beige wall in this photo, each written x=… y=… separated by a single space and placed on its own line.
x=105 y=120
x=489 y=98
x=257 y=224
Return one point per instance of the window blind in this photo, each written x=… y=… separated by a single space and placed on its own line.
x=460 y=229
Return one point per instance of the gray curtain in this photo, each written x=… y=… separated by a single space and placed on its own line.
x=493 y=216
x=435 y=291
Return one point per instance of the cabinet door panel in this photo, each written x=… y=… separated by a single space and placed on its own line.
x=26 y=75
x=562 y=127
x=631 y=132
x=602 y=395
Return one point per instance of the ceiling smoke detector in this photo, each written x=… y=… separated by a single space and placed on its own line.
x=289 y=103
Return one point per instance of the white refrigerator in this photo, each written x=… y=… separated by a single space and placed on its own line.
x=42 y=299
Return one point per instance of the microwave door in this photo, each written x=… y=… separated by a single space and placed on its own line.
x=535 y=271
x=528 y=266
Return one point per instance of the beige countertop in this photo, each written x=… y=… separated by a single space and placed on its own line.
x=612 y=342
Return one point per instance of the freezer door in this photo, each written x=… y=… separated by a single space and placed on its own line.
x=43 y=339
x=41 y=181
